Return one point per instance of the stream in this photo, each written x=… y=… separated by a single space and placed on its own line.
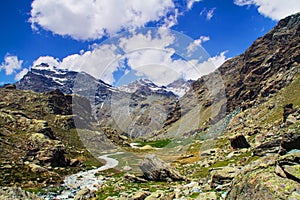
x=86 y=179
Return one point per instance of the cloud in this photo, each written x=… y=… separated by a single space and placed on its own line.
x=190 y=3
x=202 y=68
x=100 y=62
x=161 y=40
x=21 y=74
x=97 y=62
x=147 y=53
x=193 y=46
x=208 y=13
x=11 y=64
x=52 y=62
x=93 y=19
x=275 y=9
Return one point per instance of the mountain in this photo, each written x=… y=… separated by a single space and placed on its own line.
x=234 y=135
x=38 y=136
x=180 y=86
x=44 y=78
x=268 y=65
x=134 y=101
x=140 y=84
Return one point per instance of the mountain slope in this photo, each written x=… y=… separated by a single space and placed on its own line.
x=268 y=65
x=38 y=142
x=135 y=102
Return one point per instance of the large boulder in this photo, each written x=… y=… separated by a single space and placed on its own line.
x=46 y=152
x=238 y=142
x=263 y=180
x=158 y=170
x=289 y=142
x=267 y=147
x=221 y=177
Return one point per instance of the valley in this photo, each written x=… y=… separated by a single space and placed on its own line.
x=231 y=134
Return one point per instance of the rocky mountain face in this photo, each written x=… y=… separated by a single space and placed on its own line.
x=267 y=66
x=134 y=100
x=35 y=132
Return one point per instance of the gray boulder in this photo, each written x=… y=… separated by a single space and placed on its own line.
x=158 y=170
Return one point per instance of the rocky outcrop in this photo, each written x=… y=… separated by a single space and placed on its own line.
x=33 y=129
x=267 y=147
x=261 y=180
x=115 y=137
x=46 y=151
x=221 y=178
x=158 y=170
x=13 y=193
x=287 y=110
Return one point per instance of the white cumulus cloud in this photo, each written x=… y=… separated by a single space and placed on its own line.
x=274 y=9
x=93 y=19
x=149 y=53
x=202 y=68
x=193 y=46
x=11 y=64
x=21 y=74
x=52 y=62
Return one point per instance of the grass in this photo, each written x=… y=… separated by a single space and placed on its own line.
x=289 y=94
x=201 y=172
x=111 y=190
x=157 y=144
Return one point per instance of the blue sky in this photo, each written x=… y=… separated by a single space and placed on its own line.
x=70 y=35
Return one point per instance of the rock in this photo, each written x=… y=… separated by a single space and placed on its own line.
x=271 y=106
x=14 y=193
x=209 y=152
x=65 y=122
x=223 y=176
x=140 y=195
x=74 y=162
x=290 y=166
x=41 y=126
x=267 y=147
x=48 y=152
x=133 y=178
x=289 y=141
x=207 y=196
x=258 y=180
x=158 y=170
x=160 y=195
x=290 y=120
x=292 y=172
x=84 y=194
x=238 y=142
x=287 y=110
x=37 y=169
x=10 y=86
x=127 y=168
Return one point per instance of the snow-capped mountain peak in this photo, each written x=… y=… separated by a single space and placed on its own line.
x=178 y=87
x=139 y=84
